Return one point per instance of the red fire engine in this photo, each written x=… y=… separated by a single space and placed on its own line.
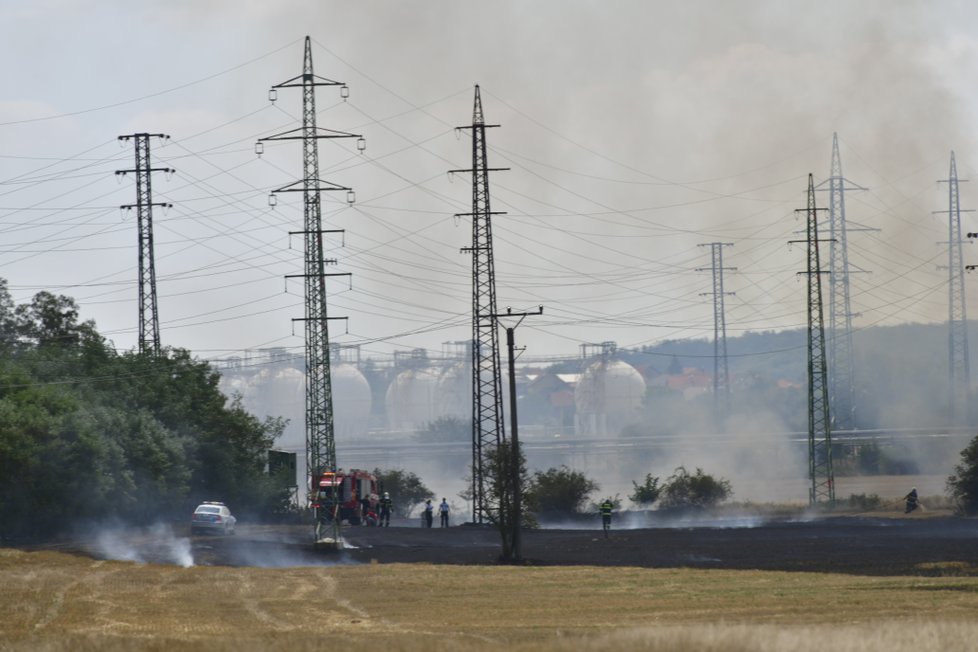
x=342 y=495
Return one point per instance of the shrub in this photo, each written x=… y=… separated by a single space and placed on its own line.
x=646 y=493
x=694 y=491
x=962 y=485
x=406 y=490
x=561 y=491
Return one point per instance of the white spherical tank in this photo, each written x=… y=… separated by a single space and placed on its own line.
x=410 y=399
x=454 y=392
x=351 y=401
x=608 y=397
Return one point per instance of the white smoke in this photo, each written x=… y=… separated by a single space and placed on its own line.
x=156 y=544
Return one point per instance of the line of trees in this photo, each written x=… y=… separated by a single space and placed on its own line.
x=87 y=433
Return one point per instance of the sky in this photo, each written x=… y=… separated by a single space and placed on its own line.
x=634 y=133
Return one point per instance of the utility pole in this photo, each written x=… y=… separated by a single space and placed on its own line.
x=149 y=316
x=842 y=393
x=320 y=441
x=819 y=425
x=515 y=479
x=487 y=411
x=959 y=372
x=721 y=375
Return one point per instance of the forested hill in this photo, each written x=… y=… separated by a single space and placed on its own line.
x=87 y=433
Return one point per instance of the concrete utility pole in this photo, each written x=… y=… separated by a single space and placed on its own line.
x=819 y=423
x=721 y=375
x=149 y=316
x=487 y=411
x=320 y=441
x=517 y=488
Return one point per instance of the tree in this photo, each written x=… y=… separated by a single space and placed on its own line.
x=87 y=433
x=501 y=511
x=561 y=491
x=446 y=429
x=962 y=485
x=405 y=488
x=694 y=491
x=647 y=493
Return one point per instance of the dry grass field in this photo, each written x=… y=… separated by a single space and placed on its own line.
x=56 y=601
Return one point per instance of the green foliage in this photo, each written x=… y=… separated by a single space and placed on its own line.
x=406 y=489
x=86 y=433
x=561 y=491
x=647 y=493
x=683 y=490
x=446 y=429
x=962 y=485
x=502 y=469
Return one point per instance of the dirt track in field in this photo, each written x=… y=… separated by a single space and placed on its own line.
x=851 y=544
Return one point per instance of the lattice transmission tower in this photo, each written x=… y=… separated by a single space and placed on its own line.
x=320 y=441
x=487 y=397
x=819 y=424
x=721 y=374
x=841 y=367
x=959 y=372
x=149 y=315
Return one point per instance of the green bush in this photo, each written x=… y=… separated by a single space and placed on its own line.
x=406 y=489
x=647 y=493
x=694 y=491
x=560 y=491
x=962 y=485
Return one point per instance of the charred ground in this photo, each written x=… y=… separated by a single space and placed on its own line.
x=851 y=544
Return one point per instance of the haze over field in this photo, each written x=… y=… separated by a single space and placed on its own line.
x=634 y=132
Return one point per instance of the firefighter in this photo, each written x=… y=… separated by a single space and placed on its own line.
x=911 y=499
x=606 y=508
x=443 y=510
x=386 y=505
x=428 y=514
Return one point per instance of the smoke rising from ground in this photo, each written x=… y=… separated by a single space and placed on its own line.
x=154 y=544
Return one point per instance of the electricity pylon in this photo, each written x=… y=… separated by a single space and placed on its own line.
x=721 y=375
x=819 y=424
x=149 y=316
x=842 y=393
x=320 y=441
x=487 y=407
x=959 y=372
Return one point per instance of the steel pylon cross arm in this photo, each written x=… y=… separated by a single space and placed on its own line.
x=487 y=413
x=320 y=437
x=820 y=468
x=149 y=316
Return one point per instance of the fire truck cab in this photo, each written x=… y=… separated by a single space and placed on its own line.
x=343 y=495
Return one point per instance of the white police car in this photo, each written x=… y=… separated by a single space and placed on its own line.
x=211 y=516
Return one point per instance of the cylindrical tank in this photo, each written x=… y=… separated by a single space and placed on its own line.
x=454 y=391
x=608 y=397
x=351 y=401
x=410 y=399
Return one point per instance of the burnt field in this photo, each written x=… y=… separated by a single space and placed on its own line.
x=849 y=544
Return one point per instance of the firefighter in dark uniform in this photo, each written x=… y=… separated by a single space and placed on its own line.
x=912 y=502
x=606 y=508
x=386 y=505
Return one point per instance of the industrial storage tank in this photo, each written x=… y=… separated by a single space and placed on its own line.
x=454 y=392
x=410 y=399
x=351 y=401
x=608 y=397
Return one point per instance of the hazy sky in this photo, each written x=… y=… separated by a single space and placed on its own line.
x=634 y=132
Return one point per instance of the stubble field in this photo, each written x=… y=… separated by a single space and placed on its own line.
x=51 y=600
